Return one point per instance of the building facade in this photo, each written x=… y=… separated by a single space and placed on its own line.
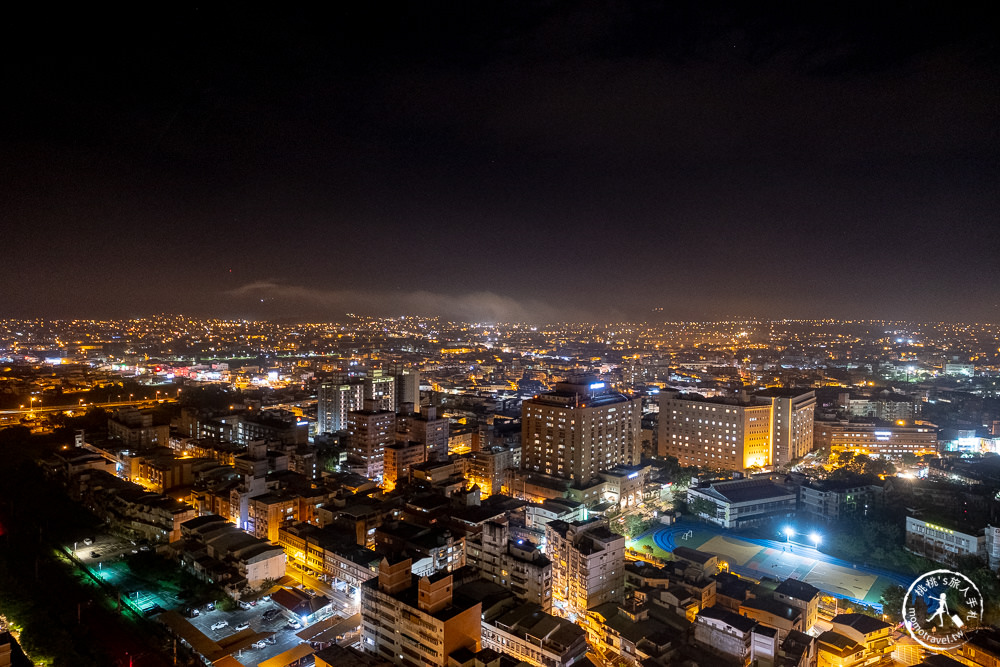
x=588 y=565
x=580 y=429
x=413 y=621
x=761 y=431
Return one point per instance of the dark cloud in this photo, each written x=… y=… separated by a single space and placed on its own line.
x=508 y=161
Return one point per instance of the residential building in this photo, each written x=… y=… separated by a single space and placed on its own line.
x=517 y=565
x=136 y=429
x=398 y=460
x=335 y=400
x=804 y=597
x=855 y=639
x=580 y=429
x=486 y=467
x=326 y=553
x=427 y=428
x=526 y=632
x=408 y=389
x=370 y=432
x=267 y=513
x=412 y=621
x=215 y=550
x=381 y=390
x=588 y=565
x=727 y=634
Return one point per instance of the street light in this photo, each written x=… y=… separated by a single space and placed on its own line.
x=789 y=533
x=815 y=538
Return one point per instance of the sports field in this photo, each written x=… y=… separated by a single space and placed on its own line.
x=764 y=558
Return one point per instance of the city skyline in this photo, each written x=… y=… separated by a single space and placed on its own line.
x=510 y=163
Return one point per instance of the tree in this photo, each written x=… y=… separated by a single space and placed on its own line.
x=702 y=507
x=892 y=603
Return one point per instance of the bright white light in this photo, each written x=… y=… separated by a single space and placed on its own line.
x=789 y=533
x=815 y=538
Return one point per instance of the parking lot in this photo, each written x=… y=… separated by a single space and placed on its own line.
x=106 y=557
x=284 y=636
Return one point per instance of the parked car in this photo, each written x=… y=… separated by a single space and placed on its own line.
x=294 y=625
x=260 y=644
x=270 y=641
x=95 y=554
x=210 y=606
x=266 y=598
x=242 y=626
x=218 y=625
x=270 y=614
x=88 y=541
x=244 y=604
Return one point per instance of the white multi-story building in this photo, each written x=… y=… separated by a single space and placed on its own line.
x=334 y=401
x=944 y=544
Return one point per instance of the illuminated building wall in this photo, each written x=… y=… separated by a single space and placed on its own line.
x=764 y=430
x=399 y=458
x=334 y=401
x=889 y=440
x=715 y=433
x=588 y=565
x=370 y=432
x=579 y=430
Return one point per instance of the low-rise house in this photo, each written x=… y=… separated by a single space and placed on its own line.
x=526 y=632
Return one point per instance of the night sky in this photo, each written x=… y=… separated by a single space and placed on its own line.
x=537 y=161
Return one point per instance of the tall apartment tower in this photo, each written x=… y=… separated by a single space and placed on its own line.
x=370 y=431
x=408 y=389
x=427 y=428
x=588 y=565
x=335 y=400
x=737 y=433
x=580 y=429
x=381 y=388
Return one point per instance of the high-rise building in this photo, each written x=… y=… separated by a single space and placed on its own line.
x=413 y=620
x=588 y=565
x=408 y=389
x=370 y=431
x=736 y=433
x=580 y=429
x=427 y=428
x=381 y=388
x=335 y=400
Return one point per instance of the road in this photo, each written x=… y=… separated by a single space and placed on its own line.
x=73 y=407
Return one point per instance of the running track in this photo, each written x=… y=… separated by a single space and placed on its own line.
x=664 y=539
